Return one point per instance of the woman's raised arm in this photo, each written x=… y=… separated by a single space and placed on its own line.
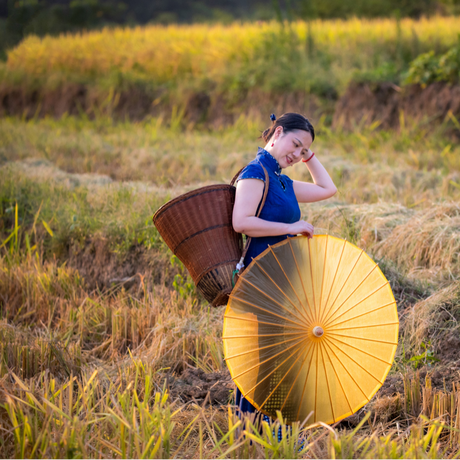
x=323 y=186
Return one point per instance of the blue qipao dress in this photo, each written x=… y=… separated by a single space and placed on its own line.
x=280 y=206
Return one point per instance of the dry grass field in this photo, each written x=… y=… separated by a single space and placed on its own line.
x=107 y=349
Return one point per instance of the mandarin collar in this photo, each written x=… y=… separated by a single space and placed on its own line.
x=269 y=161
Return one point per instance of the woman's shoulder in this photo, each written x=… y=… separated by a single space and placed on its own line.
x=253 y=170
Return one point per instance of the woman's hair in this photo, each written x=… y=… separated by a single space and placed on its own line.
x=289 y=121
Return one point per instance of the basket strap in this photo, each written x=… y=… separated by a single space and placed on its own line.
x=264 y=197
x=236 y=176
x=248 y=241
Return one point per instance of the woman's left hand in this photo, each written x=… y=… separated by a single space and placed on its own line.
x=307 y=155
x=323 y=186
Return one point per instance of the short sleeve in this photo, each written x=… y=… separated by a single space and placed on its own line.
x=252 y=171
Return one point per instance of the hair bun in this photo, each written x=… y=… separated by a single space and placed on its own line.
x=272 y=117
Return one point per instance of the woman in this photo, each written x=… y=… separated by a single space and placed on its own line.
x=288 y=142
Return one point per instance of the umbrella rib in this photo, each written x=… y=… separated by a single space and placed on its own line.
x=343 y=285
x=361 y=338
x=369 y=325
x=307 y=312
x=306 y=380
x=260 y=335
x=348 y=372
x=258 y=349
x=362 y=351
x=267 y=311
x=263 y=322
x=351 y=293
x=324 y=275
x=288 y=280
x=362 y=300
x=337 y=376
x=312 y=285
x=279 y=383
x=363 y=368
x=362 y=314
x=333 y=281
x=273 y=281
x=327 y=381
x=274 y=370
x=310 y=347
x=266 y=295
x=271 y=357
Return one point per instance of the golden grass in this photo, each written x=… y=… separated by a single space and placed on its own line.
x=424 y=243
x=429 y=240
x=166 y=329
x=165 y=53
x=399 y=210
x=28 y=355
x=432 y=319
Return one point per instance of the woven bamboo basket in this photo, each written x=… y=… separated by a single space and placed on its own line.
x=197 y=227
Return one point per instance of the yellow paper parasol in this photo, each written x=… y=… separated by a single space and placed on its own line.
x=311 y=326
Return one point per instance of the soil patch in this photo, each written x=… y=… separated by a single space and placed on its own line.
x=217 y=388
x=384 y=102
x=208 y=107
x=381 y=102
x=76 y=99
x=196 y=385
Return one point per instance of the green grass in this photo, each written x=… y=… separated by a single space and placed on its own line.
x=54 y=215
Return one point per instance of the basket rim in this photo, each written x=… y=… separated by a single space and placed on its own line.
x=188 y=195
x=199 y=232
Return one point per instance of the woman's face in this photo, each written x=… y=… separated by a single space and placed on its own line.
x=290 y=147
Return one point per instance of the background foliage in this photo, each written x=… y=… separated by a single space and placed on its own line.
x=429 y=67
x=19 y=18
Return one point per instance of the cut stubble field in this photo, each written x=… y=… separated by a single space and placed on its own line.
x=107 y=350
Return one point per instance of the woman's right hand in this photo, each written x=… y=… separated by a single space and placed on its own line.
x=302 y=227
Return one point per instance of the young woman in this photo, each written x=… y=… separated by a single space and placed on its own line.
x=288 y=142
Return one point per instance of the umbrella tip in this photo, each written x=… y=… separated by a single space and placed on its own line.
x=318 y=331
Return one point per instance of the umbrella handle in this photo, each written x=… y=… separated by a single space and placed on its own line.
x=239 y=266
x=235 y=272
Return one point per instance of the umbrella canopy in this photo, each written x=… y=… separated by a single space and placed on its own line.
x=311 y=327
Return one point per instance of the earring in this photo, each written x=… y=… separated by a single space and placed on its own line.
x=273 y=144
